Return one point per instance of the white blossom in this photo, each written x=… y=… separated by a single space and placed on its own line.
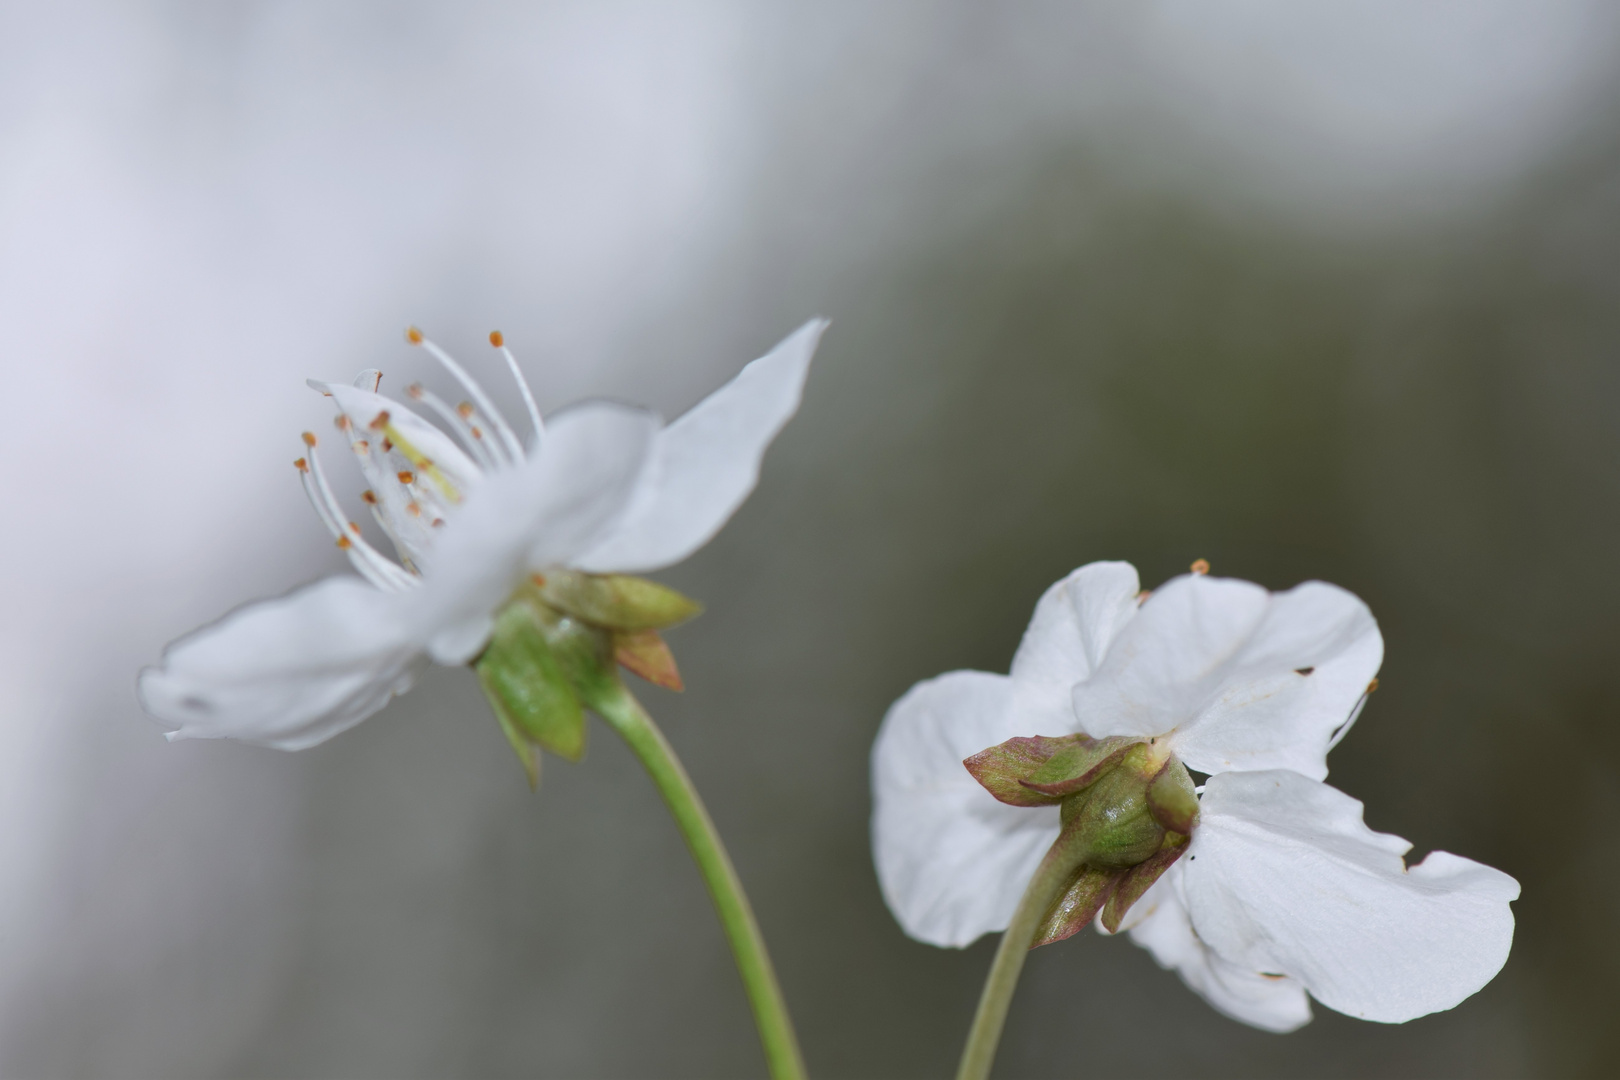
x=1283 y=890
x=598 y=487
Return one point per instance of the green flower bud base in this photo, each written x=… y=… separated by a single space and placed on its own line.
x=1128 y=809
x=554 y=653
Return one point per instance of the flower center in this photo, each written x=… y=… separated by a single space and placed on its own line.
x=418 y=474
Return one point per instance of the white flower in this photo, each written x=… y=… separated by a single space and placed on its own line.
x=601 y=487
x=1281 y=878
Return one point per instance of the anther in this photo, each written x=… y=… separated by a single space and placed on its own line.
x=1372 y=686
x=387 y=445
x=309 y=438
x=380 y=421
x=368 y=497
x=1201 y=566
x=342 y=422
x=302 y=465
x=465 y=410
x=407 y=477
x=414 y=390
x=413 y=335
x=344 y=542
x=354 y=528
x=496 y=338
x=412 y=509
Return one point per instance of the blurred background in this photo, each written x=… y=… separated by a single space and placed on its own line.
x=1311 y=291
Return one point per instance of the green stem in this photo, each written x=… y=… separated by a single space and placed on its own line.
x=994 y=1000
x=626 y=716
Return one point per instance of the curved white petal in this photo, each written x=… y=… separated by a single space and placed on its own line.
x=1165 y=664
x=706 y=463
x=1244 y=679
x=1284 y=877
x=289 y=672
x=540 y=514
x=1158 y=922
x=362 y=407
x=952 y=861
x=1073 y=625
x=1295 y=681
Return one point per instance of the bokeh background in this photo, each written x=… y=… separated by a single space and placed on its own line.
x=1311 y=291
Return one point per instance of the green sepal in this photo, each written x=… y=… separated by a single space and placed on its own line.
x=528 y=685
x=1110 y=818
x=616 y=601
x=585 y=655
x=1044 y=769
x=1079 y=765
x=1172 y=798
x=1088 y=890
x=1139 y=878
x=528 y=753
x=1001 y=768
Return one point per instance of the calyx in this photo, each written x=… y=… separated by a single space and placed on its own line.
x=1128 y=809
x=555 y=652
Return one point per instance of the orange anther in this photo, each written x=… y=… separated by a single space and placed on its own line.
x=464 y=410
x=1201 y=566
x=369 y=497
x=309 y=438
x=387 y=445
x=1372 y=686
x=414 y=390
x=413 y=510
x=344 y=542
x=496 y=339
x=380 y=420
x=407 y=477
x=354 y=528
x=302 y=465
x=478 y=432
x=413 y=335
x=342 y=422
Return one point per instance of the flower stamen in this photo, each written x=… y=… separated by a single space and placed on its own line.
x=414 y=456
x=497 y=339
x=471 y=437
x=371 y=563
x=507 y=437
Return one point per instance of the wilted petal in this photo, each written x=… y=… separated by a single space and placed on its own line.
x=1159 y=924
x=543 y=512
x=1073 y=625
x=1294 y=682
x=1283 y=876
x=952 y=861
x=289 y=672
x=705 y=464
x=1166 y=664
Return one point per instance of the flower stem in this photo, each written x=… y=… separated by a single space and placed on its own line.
x=1050 y=877
x=626 y=716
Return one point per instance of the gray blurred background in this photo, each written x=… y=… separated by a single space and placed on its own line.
x=1310 y=291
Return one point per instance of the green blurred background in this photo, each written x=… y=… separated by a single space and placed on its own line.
x=1078 y=345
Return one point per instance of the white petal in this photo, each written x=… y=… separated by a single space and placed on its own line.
x=1244 y=679
x=1165 y=664
x=1159 y=924
x=707 y=462
x=1074 y=623
x=362 y=407
x=1283 y=876
x=1265 y=714
x=952 y=861
x=289 y=672
x=540 y=514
